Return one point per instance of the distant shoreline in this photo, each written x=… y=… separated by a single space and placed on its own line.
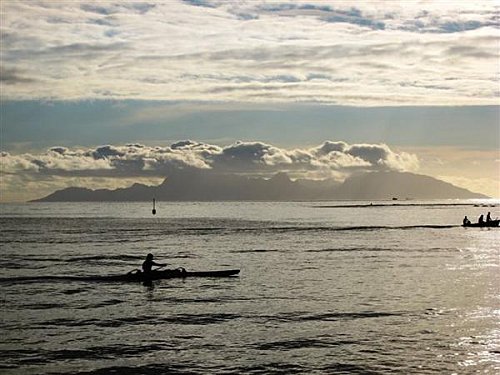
x=406 y=204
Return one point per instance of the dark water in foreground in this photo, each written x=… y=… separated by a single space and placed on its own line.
x=361 y=290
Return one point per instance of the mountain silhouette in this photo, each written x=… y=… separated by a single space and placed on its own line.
x=202 y=185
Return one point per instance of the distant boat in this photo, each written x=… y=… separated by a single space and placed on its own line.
x=154 y=208
x=492 y=223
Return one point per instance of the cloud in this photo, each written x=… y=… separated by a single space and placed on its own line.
x=252 y=51
x=200 y=3
x=330 y=158
x=470 y=51
x=251 y=157
x=459 y=166
x=109 y=9
x=12 y=76
x=325 y=13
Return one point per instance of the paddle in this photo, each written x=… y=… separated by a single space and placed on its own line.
x=180 y=269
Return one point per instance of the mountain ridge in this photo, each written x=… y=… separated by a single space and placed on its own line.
x=210 y=186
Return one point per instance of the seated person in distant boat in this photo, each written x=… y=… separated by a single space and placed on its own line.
x=149 y=263
x=488 y=217
x=481 y=219
x=466 y=221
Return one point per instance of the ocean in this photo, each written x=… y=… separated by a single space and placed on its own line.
x=325 y=288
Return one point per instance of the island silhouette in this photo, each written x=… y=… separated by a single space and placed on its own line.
x=206 y=185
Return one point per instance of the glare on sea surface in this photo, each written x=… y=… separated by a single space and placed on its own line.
x=482 y=254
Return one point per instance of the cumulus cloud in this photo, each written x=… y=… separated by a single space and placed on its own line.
x=252 y=51
x=331 y=159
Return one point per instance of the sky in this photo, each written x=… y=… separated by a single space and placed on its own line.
x=103 y=94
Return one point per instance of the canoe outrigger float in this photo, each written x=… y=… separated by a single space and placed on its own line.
x=491 y=223
x=134 y=276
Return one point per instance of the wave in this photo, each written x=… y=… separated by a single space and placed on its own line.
x=121 y=257
x=256 y=368
x=33 y=279
x=303 y=228
x=378 y=205
x=151 y=369
x=258 y=251
x=38 y=357
x=182 y=319
x=42 y=306
x=25 y=261
x=381 y=249
x=299 y=228
x=20 y=265
x=110 y=302
x=304 y=317
x=195 y=231
x=349 y=249
x=302 y=343
x=110 y=257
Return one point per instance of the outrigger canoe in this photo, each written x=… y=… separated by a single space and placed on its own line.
x=135 y=276
x=492 y=223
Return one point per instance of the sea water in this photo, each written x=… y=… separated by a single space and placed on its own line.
x=325 y=288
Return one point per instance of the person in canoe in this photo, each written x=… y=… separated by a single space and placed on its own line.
x=488 y=217
x=481 y=219
x=148 y=264
x=466 y=221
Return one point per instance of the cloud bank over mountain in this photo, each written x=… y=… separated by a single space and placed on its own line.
x=413 y=74
x=330 y=159
x=367 y=53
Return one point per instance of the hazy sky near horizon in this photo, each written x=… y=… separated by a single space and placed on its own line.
x=414 y=83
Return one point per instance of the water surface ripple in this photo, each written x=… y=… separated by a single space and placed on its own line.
x=327 y=288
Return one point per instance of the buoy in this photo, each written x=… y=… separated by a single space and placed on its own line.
x=154 y=209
